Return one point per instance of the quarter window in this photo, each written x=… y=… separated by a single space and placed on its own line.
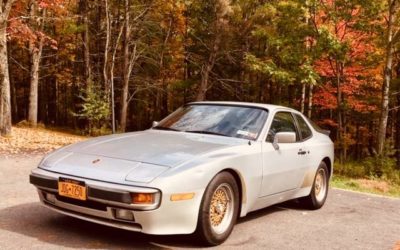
x=305 y=130
x=283 y=122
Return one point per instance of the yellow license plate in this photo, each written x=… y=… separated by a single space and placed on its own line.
x=72 y=188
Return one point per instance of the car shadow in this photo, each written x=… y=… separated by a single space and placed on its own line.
x=34 y=220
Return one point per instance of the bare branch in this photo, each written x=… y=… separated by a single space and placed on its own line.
x=7 y=8
x=396 y=37
x=17 y=63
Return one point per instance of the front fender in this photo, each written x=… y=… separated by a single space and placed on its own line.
x=244 y=160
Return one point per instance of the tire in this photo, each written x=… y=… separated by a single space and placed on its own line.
x=218 y=210
x=319 y=190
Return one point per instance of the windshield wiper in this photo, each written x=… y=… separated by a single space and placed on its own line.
x=166 y=128
x=205 y=132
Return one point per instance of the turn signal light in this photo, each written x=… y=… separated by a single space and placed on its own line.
x=181 y=197
x=142 y=198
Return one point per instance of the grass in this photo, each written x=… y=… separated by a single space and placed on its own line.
x=374 y=186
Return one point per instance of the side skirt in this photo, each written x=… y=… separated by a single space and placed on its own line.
x=270 y=200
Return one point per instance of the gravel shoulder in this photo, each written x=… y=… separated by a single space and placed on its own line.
x=349 y=220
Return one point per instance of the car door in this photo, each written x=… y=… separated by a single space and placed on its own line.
x=309 y=149
x=283 y=168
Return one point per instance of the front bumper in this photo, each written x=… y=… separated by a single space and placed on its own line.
x=104 y=199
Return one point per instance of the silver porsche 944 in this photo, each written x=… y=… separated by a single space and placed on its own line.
x=196 y=171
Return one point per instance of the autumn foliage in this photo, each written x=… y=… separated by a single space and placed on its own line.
x=325 y=58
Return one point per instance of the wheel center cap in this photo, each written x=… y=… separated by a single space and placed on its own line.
x=219 y=208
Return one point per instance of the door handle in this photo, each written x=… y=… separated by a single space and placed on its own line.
x=301 y=152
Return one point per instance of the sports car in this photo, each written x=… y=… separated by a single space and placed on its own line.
x=196 y=171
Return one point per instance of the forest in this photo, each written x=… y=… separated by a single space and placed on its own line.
x=76 y=64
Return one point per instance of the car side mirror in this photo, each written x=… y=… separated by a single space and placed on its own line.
x=155 y=123
x=283 y=137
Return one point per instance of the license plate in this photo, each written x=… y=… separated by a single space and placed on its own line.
x=72 y=188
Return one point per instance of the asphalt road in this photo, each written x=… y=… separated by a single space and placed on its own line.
x=347 y=221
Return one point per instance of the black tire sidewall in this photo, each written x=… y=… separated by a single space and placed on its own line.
x=204 y=230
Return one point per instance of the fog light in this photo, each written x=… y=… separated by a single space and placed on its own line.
x=51 y=198
x=123 y=214
x=142 y=198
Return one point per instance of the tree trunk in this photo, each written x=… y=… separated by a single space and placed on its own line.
x=108 y=86
x=290 y=94
x=35 y=51
x=13 y=94
x=163 y=75
x=14 y=101
x=206 y=70
x=5 y=95
x=358 y=145
x=36 y=54
x=303 y=98
x=112 y=64
x=386 y=78
x=107 y=49
x=5 y=98
x=126 y=73
x=344 y=140
x=205 y=75
x=208 y=66
x=86 y=44
x=397 y=141
x=310 y=101
x=340 y=136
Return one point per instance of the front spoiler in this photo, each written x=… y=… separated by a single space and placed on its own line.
x=105 y=218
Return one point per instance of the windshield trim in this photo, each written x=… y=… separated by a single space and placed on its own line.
x=262 y=128
x=226 y=105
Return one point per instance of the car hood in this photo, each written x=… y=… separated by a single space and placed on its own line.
x=135 y=157
x=155 y=147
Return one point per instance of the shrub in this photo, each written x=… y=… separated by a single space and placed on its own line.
x=379 y=167
x=96 y=109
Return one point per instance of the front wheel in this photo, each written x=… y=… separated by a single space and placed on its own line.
x=218 y=210
x=319 y=190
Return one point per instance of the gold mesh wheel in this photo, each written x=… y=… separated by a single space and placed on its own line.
x=221 y=208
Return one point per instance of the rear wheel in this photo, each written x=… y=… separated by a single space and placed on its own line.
x=319 y=190
x=218 y=210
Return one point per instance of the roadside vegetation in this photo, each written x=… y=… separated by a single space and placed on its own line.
x=373 y=186
x=377 y=175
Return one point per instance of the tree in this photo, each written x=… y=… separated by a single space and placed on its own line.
x=131 y=51
x=346 y=30
x=209 y=21
x=126 y=68
x=392 y=38
x=286 y=56
x=35 y=50
x=323 y=57
x=5 y=98
x=84 y=12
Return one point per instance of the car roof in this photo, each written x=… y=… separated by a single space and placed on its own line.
x=269 y=107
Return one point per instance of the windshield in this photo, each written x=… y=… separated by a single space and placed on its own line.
x=231 y=121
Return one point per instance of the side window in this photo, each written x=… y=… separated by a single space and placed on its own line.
x=305 y=130
x=283 y=122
